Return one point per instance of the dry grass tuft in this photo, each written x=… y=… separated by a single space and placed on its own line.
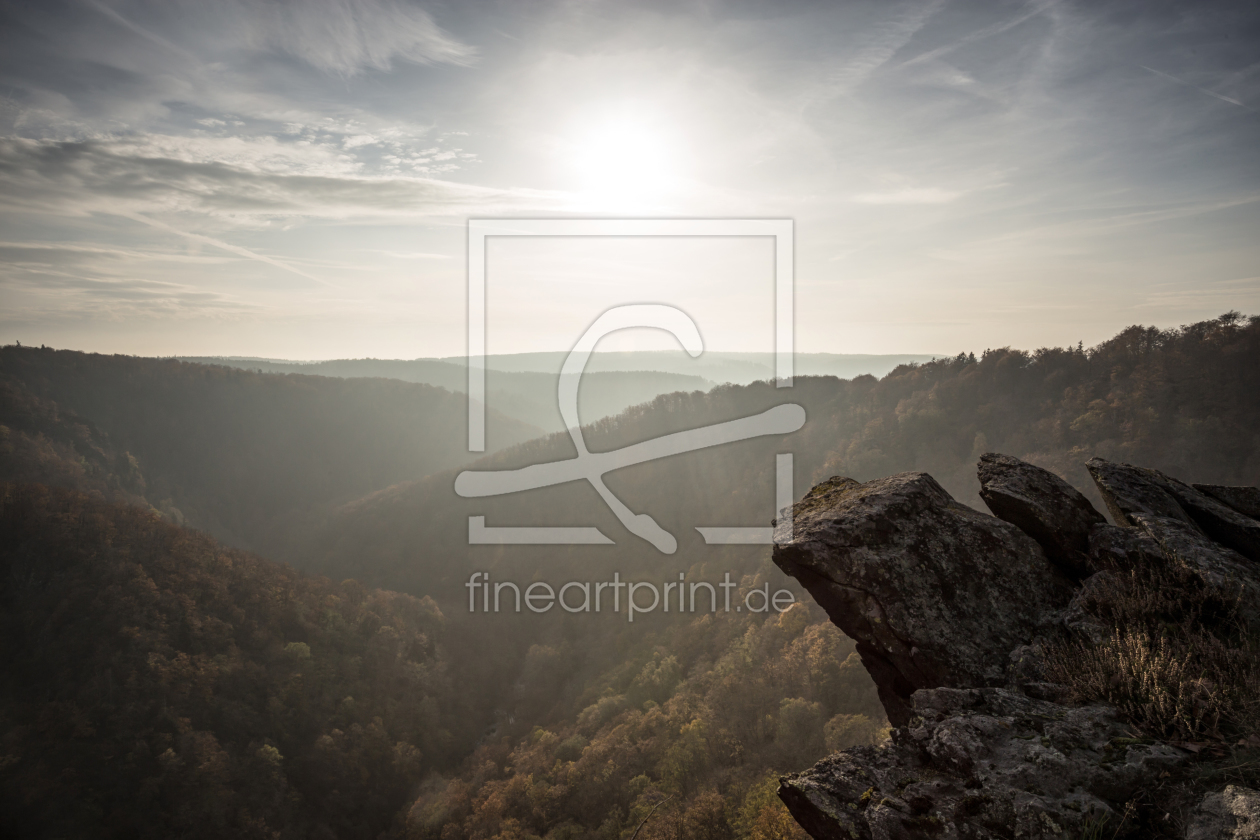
x=1178 y=661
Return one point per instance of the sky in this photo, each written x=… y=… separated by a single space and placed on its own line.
x=293 y=179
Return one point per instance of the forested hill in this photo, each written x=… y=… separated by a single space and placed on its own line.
x=150 y=663
x=245 y=456
x=528 y=396
x=159 y=685
x=693 y=730
x=1184 y=401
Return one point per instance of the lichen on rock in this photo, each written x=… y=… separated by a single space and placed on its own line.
x=981 y=763
x=1231 y=814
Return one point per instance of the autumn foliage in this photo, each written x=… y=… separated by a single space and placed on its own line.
x=159 y=685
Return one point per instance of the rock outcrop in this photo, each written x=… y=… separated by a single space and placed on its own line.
x=1245 y=500
x=914 y=578
x=950 y=610
x=1133 y=491
x=981 y=763
x=1199 y=530
x=1042 y=505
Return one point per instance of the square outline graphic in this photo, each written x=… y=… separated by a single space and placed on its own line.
x=478 y=229
x=781 y=230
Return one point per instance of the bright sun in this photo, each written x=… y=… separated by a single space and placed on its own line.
x=623 y=159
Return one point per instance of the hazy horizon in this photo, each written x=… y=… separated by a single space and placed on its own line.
x=462 y=357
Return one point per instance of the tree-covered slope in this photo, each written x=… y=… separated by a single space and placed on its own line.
x=157 y=684
x=528 y=396
x=692 y=724
x=599 y=715
x=246 y=456
x=1183 y=400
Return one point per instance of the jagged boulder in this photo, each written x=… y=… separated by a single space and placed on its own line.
x=1130 y=491
x=950 y=610
x=1175 y=518
x=1226 y=570
x=1245 y=500
x=1220 y=522
x=1042 y=505
x=933 y=592
x=1127 y=490
x=981 y=763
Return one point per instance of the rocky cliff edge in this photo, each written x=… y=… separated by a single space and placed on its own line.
x=1036 y=663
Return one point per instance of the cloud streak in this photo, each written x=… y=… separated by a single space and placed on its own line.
x=140 y=30
x=51 y=294
x=1034 y=10
x=880 y=47
x=909 y=195
x=350 y=36
x=1211 y=93
x=78 y=176
x=345 y=37
x=225 y=246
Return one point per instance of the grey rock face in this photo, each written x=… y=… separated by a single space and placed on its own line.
x=1245 y=500
x=950 y=610
x=1129 y=491
x=1227 y=570
x=981 y=763
x=1232 y=814
x=1220 y=522
x=1111 y=547
x=933 y=592
x=1042 y=505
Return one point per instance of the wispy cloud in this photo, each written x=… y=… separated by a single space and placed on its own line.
x=909 y=195
x=1081 y=232
x=76 y=177
x=132 y=26
x=62 y=280
x=340 y=36
x=226 y=246
x=51 y=254
x=1211 y=93
x=1031 y=11
x=878 y=48
x=414 y=255
x=53 y=294
x=252 y=145
x=1212 y=296
x=348 y=36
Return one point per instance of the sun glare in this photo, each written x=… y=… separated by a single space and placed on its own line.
x=623 y=160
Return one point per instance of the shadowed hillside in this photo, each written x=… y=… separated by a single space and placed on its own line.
x=160 y=685
x=1181 y=400
x=245 y=456
x=1183 y=396
x=578 y=725
x=528 y=396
